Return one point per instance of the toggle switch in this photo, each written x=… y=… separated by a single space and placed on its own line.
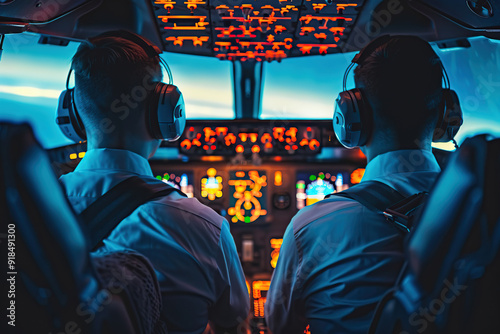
x=247 y=250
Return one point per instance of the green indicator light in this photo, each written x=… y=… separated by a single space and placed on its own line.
x=166 y=177
x=322 y=176
x=247 y=220
x=159 y=177
x=312 y=177
x=301 y=186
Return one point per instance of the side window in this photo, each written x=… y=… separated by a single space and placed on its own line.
x=475 y=75
x=33 y=75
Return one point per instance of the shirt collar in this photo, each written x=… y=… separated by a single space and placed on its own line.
x=117 y=160
x=401 y=161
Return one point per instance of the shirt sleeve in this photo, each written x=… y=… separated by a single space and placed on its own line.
x=232 y=306
x=284 y=308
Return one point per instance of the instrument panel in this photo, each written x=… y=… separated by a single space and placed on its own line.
x=259 y=202
x=255 y=30
x=257 y=192
x=275 y=140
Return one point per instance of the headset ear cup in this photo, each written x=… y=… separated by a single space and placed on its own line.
x=166 y=116
x=351 y=119
x=68 y=119
x=451 y=119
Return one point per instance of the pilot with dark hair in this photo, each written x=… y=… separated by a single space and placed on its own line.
x=190 y=245
x=338 y=258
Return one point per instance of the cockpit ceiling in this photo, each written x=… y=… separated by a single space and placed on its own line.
x=260 y=30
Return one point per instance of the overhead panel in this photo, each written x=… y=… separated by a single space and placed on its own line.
x=259 y=30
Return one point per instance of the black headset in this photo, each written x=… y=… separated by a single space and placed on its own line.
x=165 y=113
x=353 y=117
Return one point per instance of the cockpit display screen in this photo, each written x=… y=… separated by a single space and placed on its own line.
x=248 y=196
x=178 y=179
x=312 y=187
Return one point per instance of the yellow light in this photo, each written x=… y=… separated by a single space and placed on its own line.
x=81 y=154
x=276 y=243
x=278 y=178
x=218 y=194
x=212 y=172
x=73 y=156
x=212 y=158
x=276 y=246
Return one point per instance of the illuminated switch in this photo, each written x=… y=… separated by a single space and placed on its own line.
x=247 y=251
x=318 y=7
x=222 y=10
x=278 y=178
x=246 y=11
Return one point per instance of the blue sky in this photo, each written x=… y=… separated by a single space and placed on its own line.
x=33 y=75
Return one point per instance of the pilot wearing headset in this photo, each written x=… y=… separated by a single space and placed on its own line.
x=338 y=257
x=123 y=110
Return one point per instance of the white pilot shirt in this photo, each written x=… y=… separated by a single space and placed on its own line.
x=338 y=258
x=189 y=244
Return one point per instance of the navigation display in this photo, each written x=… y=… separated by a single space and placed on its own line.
x=178 y=179
x=312 y=187
x=248 y=196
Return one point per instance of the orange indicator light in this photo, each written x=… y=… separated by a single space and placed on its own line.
x=357 y=175
x=278 y=178
x=186 y=144
x=314 y=145
x=258 y=287
x=243 y=137
x=275 y=245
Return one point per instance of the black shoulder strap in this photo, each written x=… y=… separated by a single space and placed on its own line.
x=375 y=195
x=102 y=216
